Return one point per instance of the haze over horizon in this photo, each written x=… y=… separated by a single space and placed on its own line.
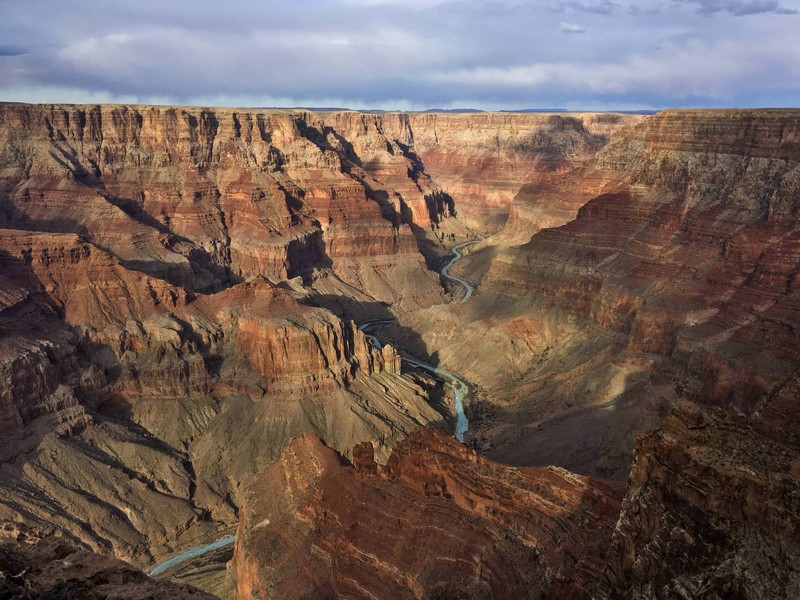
x=396 y=54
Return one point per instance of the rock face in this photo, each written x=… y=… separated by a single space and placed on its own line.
x=177 y=289
x=205 y=197
x=437 y=521
x=199 y=198
x=486 y=161
x=693 y=256
x=138 y=323
x=712 y=506
x=121 y=388
x=655 y=273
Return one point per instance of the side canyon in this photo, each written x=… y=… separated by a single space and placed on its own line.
x=181 y=295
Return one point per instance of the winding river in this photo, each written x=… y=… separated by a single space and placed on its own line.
x=459 y=387
x=456 y=257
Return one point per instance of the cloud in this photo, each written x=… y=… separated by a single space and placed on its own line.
x=12 y=50
x=699 y=70
x=740 y=8
x=401 y=53
x=599 y=7
x=571 y=28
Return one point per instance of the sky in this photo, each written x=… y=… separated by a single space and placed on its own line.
x=403 y=54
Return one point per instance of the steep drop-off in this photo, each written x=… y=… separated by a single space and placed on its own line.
x=34 y=566
x=133 y=409
x=437 y=521
x=148 y=366
x=713 y=506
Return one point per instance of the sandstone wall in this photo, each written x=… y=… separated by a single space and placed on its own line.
x=438 y=520
x=694 y=257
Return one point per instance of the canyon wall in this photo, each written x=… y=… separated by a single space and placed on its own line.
x=659 y=280
x=199 y=198
x=712 y=506
x=133 y=408
x=437 y=521
x=478 y=161
x=163 y=273
x=34 y=565
x=649 y=279
x=486 y=161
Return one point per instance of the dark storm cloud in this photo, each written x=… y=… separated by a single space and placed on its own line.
x=740 y=8
x=12 y=50
x=402 y=53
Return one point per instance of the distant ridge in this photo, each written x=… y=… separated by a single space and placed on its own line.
x=453 y=110
x=329 y=109
x=535 y=110
x=578 y=110
x=478 y=110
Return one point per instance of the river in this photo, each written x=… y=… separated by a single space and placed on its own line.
x=459 y=387
x=192 y=553
x=456 y=257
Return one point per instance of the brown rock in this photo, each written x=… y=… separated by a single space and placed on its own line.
x=151 y=360
x=440 y=521
x=661 y=279
x=711 y=510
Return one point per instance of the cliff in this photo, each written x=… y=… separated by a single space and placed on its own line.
x=203 y=197
x=162 y=337
x=436 y=521
x=489 y=161
x=712 y=506
x=199 y=198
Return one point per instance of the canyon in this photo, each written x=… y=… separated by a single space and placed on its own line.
x=183 y=354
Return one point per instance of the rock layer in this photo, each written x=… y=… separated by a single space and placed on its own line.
x=437 y=521
x=659 y=278
x=121 y=389
x=161 y=338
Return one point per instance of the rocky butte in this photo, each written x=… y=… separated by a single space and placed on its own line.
x=183 y=299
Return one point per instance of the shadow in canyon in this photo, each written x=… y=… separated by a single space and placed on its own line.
x=405 y=339
x=90 y=369
x=73 y=424
x=563 y=136
x=200 y=273
x=439 y=203
x=592 y=440
x=400 y=336
x=208 y=274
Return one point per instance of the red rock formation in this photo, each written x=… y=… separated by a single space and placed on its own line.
x=136 y=316
x=437 y=519
x=197 y=197
x=484 y=160
x=149 y=367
